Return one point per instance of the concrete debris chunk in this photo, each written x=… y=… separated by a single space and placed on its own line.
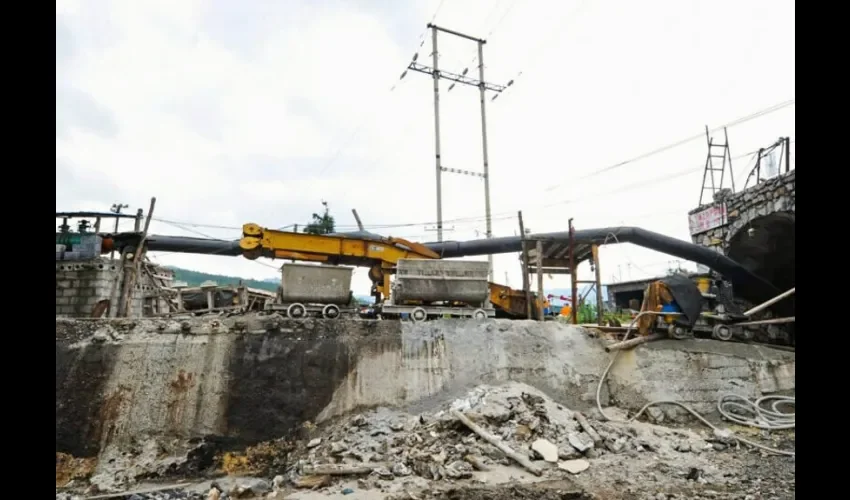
x=547 y=450
x=314 y=442
x=574 y=466
x=580 y=441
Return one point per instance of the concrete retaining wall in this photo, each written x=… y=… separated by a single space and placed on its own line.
x=254 y=379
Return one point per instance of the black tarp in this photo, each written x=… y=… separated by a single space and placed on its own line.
x=687 y=296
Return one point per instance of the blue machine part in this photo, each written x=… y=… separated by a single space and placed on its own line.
x=671 y=307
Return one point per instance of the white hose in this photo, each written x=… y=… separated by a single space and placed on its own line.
x=729 y=406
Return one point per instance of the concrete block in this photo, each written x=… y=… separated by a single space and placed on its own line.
x=62 y=301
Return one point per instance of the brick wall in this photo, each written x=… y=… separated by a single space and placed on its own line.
x=82 y=284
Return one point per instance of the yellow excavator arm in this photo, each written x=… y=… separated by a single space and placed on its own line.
x=380 y=255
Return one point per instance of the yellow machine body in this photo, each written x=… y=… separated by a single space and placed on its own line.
x=380 y=255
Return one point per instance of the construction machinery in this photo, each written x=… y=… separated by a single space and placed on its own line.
x=511 y=303
x=309 y=290
x=426 y=289
x=702 y=307
x=425 y=286
x=381 y=255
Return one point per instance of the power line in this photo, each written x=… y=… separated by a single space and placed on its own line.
x=503 y=216
x=362 y=123
x=560 y=26
x=752 y=116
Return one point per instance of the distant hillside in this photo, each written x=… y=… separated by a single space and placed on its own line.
x=195 y=278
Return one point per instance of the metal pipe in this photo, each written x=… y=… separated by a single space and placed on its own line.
x=772 y=321
x=600 y=318
x=627 y=344
x=748 y=285
x=766 y=304
x=89 y=215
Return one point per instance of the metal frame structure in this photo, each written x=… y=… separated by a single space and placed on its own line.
x=725 y=158
x=483 y=86
x=785 y=152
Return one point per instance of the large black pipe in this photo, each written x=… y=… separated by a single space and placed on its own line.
x=747 y=284
x=183 y=244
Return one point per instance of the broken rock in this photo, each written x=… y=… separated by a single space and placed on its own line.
x=580 y=441
x=574 y=466
x=545 y=449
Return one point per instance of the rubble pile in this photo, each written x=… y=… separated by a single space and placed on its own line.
x=512 y=436
x=393 y=451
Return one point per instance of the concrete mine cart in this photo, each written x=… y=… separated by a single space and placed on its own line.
x=314 y=290
x=426 y=289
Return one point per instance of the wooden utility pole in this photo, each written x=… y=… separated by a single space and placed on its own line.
x=573 y=274
x=130 y=281
x=594 y=252
x=526 y=286
x=540 y=280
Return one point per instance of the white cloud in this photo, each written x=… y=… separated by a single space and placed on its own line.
x=246 y=112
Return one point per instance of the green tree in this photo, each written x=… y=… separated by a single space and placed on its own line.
x=322 y=224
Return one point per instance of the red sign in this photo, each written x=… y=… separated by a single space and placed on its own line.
x=707 y=219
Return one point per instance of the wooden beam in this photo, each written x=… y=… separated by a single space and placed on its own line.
x=526 y=286
x=539 y=280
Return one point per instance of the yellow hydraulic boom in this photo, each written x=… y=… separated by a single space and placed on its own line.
x=379 y=254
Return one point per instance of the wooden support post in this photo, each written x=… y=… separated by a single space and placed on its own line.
x=594 y=251
x=540 y=280
x=138 y=257
x=180 y=305
x=526 y=286
x=210 y=299
x=573 y=273
x=138 y=222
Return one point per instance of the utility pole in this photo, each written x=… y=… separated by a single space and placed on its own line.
x=116 y=209
x=483 y=87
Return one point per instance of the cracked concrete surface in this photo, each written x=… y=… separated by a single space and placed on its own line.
x=250 y=379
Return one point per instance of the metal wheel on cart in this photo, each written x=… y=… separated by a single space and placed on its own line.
x=330 y=311
x=296 y=311
x=721 y=332
x=418 y=315
x=677 y=332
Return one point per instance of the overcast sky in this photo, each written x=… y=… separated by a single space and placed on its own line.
x=234 y=112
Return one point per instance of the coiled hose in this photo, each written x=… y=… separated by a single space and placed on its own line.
x=730 y=406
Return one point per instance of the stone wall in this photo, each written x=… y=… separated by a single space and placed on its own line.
x=80 y=285
x=768 y=197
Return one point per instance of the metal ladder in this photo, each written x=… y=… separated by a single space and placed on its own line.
x=717 y=153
